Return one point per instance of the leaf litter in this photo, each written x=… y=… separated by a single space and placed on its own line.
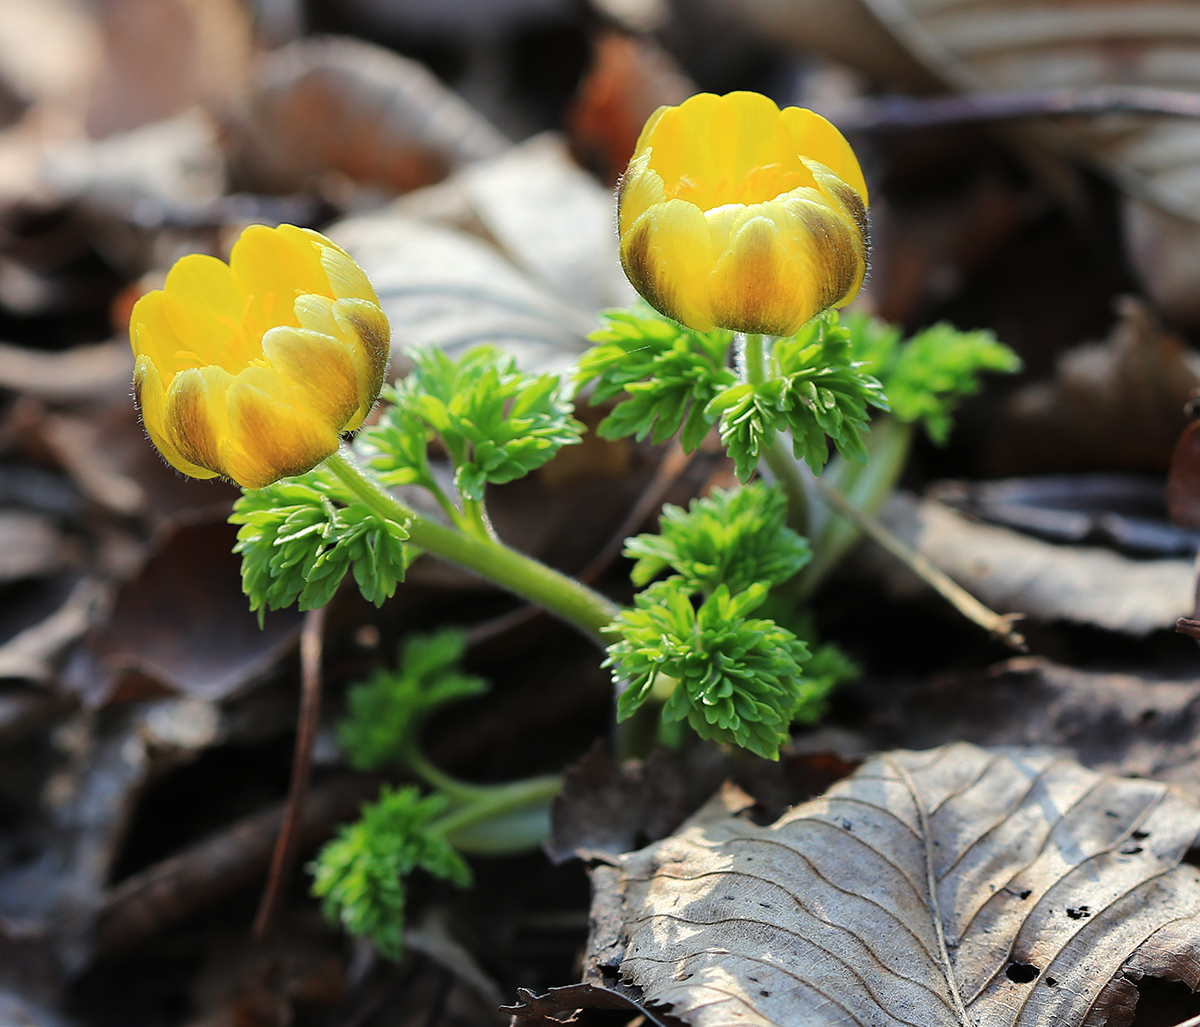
x=957 y=885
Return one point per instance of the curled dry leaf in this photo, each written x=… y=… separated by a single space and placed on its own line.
x=1019 y=574
x=326 y=104
x=1116 y=404
x=955 y=886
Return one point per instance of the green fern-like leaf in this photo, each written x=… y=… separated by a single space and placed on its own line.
x=386 y=712
x=927 y=376
x=734 y=537
x=736 y=678
x=665 y=373
x=496 y=423
x=360 y=874
x=298 y=537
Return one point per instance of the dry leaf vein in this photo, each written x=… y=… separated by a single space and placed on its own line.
x=860 y=945
x=734 y=872
x=805 y=982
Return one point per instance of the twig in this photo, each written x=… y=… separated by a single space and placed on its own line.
x=164 y=893
x=311 y=638
x=1000 y=625
x=1189 y=627
x=893 y=114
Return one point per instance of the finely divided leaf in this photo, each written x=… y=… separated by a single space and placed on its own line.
x=665 y=373
x=958 y=887
x=925 y=377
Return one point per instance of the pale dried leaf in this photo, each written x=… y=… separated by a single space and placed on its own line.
x=1019 y=574
x=956 y=886
x=443 y=287
x=84 y=372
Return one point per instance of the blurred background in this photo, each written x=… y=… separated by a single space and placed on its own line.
x=1034 y=169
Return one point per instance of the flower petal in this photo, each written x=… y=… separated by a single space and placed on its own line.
x=151 y=399
x=194 y=415
x=269 y=440
x=368 y=326
x=667 y=254
x=320 y=370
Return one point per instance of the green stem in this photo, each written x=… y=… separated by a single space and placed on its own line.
x=867 y=486
x=776 y=454
x=459 y=791
x=466 y=827
x=563 y=596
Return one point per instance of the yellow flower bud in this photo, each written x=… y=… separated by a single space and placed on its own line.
x=252 y=369
x=736 y=214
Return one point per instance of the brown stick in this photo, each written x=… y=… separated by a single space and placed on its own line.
x=1000 y=625
x=143 y=904
x=311 y=637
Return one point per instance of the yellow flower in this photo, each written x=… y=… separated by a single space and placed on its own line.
x=738 y=215
x=252 y=369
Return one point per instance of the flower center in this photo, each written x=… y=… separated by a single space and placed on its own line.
x=757 y=185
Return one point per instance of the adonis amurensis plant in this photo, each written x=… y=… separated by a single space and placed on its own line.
x=744 y=228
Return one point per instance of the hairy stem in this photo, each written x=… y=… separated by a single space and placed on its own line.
x=776 y=456
x=563 y=596
x=867 y=486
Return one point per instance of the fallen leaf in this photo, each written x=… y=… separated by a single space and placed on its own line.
x=182 y=625
x=85 y=372
x=30 y=546
x=952 y=886
x=1014 y=573
x=1125 y=512
x=1134 y=724
x=1112 y=405
x=552 y=219
x=332 y=104
x=164 y=56
x=32 y=653
x=443 y=287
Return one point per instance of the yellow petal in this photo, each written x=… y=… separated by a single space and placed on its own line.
x=151 y=399
x=667 y=254
x=640 y=188
x=151 y=335
x=271 y=268
x=367 y=325
x=320 y=371
x=815 y=139
x=202 y=306
x=194 y=415
x=267 y=439
x=757 y=284
x=346 y=279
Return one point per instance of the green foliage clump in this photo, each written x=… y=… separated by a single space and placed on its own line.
x=814 y=388
x=299 y=536
x=926 y=376
x=667 y=374
x=387 y=711
x=735 y=537
x=496 y=423
x=360 y=873
x=735 y=678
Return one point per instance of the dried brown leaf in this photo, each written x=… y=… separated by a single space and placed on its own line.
x=1116 y=404
x=332 y=104
x=1014 y=572
x=954 y=886
x=182 y=625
